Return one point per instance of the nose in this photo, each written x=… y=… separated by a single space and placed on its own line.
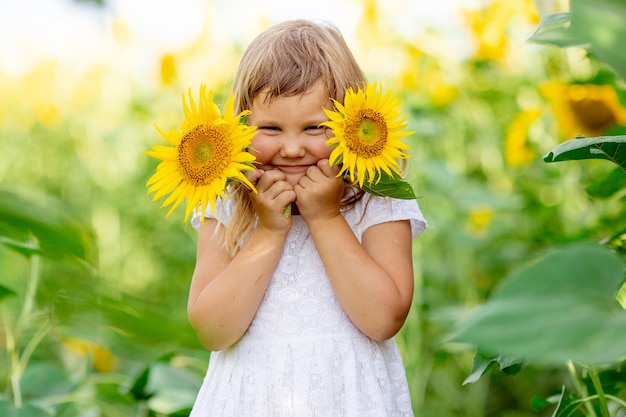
x=293 y=146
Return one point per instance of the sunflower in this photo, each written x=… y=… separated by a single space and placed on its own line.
x=584 y=109
x=367 y=132
x=208 y=153
x=517 y=151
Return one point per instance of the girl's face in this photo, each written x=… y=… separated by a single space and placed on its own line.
x=288 y=137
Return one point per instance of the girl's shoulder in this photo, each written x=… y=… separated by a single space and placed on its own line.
x=371 y=210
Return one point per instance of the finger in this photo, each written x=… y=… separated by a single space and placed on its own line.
x=327 y=169
x=314 y=174
x=268 y=178
x=254 y=175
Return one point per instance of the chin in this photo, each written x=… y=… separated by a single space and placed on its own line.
x=293 y=179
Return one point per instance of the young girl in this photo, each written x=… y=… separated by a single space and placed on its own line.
x=299 y=311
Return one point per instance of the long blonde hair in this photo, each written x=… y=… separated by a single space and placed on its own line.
x=286 y=60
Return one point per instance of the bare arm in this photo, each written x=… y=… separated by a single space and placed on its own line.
x=226 y=291
x=373 y=280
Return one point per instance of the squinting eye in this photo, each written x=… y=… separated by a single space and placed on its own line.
x=269 y=130
x=315 y=129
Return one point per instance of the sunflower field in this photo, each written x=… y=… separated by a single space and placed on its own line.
x=518 y=160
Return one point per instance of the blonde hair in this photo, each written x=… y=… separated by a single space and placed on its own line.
x=286 y=60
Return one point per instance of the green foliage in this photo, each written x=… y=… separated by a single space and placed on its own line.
x=568 y=298
x=564 y=307
x=597 y=25
x=54 y=224
x=554 y=30
x=483 y=363
x=390 y=186
x=612 y=148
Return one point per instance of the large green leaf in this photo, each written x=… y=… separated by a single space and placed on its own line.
x=563 y=307
x=609 y=185
x=174 y=389
x=7 y=409
x=56 y=225
x=167 y=388
x=612 y=148
x=554 y=29
x=597 y=25
x=601 y=24
x=42 y=379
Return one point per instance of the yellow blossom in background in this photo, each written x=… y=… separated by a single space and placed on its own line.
x=41 y=94
x=479 y=219
x=583 y=109
x=88 y=88
x=413 y=58
x=516 y=149
x=121 y=31
x=367 y=129
x=168 y=69
x=208 y=153
x=422 y=72
x=489 y=26
x=369 y=31
x=102 y=359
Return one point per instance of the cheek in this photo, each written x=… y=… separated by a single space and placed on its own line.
x=263 y=148
x=321 y=150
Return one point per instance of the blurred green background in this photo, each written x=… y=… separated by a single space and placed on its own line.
x=94 y=279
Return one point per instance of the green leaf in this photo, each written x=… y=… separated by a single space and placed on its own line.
x=554 y=29
x=7 y=409
x=566 y=404
x=43 y=379
x=6 y=292
x=595 y=25
x=53 y=222
x=167 y=388
x=26 y=249
x=174 y=389
x=480 y=366
x=562 y=307
x=390 y=186
x=482 y=363
x=612 y=148
x=601 y=24
x=609 y=185
x=140 y=389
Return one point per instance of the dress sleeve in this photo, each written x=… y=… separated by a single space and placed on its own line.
x=223 y=211
x=383 y=209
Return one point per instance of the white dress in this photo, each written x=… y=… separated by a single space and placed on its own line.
x=302 y=356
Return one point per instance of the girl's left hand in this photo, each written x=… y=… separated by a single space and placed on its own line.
x=319 y=192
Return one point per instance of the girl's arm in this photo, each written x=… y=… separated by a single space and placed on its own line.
x=373 y=280
x=226 y=291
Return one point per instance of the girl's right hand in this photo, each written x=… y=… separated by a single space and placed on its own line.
x=274 y=193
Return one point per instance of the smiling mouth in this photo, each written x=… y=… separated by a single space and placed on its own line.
x=292 y=168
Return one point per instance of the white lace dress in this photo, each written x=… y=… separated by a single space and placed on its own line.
x=302 y=356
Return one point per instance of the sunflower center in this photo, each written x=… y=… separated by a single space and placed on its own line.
x=593 y=114
x=366 y=133
x=203 y=154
